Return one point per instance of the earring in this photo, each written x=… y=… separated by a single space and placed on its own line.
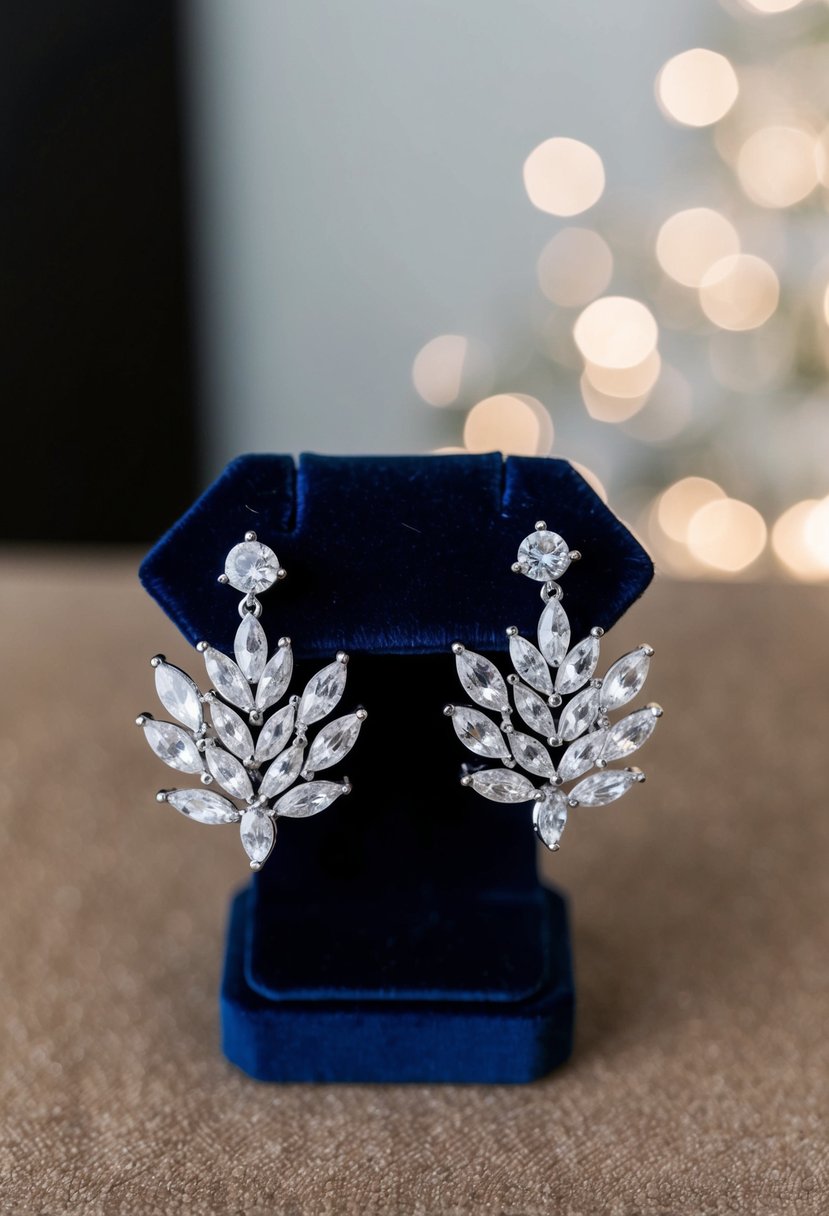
x=582 y=737
x=251 y=760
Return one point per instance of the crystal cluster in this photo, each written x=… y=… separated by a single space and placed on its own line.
x=581 y=737
x=255 y=751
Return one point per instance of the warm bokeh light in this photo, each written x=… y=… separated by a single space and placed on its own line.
x=563 y=176
x=574 y=267
x=606 y=408
x=739 y=292
x=726 y=535
x=691 y=241
x=450 y=451
x=817 y=532
x=826 y=305
x=437 y=371
x=513 y=423
x=678 y=504
x=625 y=381
x=768 y=7
x=793 y=540
x=778 y=166
x=697 y=87
x=616 y=331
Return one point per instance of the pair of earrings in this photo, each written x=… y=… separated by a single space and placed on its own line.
x=258 y=751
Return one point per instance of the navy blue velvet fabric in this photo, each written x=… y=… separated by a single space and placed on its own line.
x=412 y=898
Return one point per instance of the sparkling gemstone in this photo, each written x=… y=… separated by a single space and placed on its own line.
x=232 y=730
x=227 y=679
x=554 y=632
x=531 y=754
x=230 y=773
x=251 y=648
x=503 y=785
x=321 y=693
x=550 y=817
x=533 y=710
x=580 y=713
x=628 y=735
x=333 y=743
x=625 y=679
x=283 y=771
x=578 y=666
x=600 y=788
x=482 y=680
x=544 y=555
x=203 y=806
x=173 y=745
x=308 y=798
x=581 y=755
x=479 y=733
x=275 y=678
x=251 y=567
x=258 y=833
x=530 y=664
x=275 y=734
x=179 y=695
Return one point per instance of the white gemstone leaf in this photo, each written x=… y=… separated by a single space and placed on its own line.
x=275 y=734
x=227 y=679
x=531 y=755
x=322 y=693
x=173 y=745
x=550 y=817
x=282 y=772
x=580 y=713
x=554 y=632
x=581 y=755
x=533 y=710
x=333 y=743
x=530 y=664
x=625 y=678
x=203 y=806
x=251 y=648
x=230 y=773
x=308 y=799
x=628 y=735
x=276 y=677
x=232 y=730
x=578 y=666
x=479 y=733
x=503 y=785
x=482 y=680
x=258 y=832
x=600 y=788
x=179 y=695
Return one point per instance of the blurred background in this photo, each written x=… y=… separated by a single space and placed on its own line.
x=597 y=231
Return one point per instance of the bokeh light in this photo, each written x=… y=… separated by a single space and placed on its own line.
x=616 y=332
x=437 y=371
x=769 y=7
x=563 y=176
x=817 y=532
x=678 y=504
x=697 y=87
x=777 y=166
x=691 y=241
x=513 y=423
x=604 y=407
x=797 y=543
x=727 y=535
x=574 y=267
x=739 y=292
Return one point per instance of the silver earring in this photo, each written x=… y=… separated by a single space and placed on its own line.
x=582 y=737
x=257 y=762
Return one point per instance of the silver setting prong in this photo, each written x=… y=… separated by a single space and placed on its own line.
x=574 y=555
x=540 y=525
x=223 y=579
x=341 y=657
x=250 y=536
x=597 y=632
x=202 y=646
x=157 y=660
x=466 y=781
x=449 y=710
x=360 y=713
x=655 y=709
x=161 y=796
x=281 y=573
x=512 y=631
x=143 y=718
x=646 y=649
x=457 y=648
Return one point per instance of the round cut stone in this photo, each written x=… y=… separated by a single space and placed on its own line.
x=544 y=556
x=251 y=567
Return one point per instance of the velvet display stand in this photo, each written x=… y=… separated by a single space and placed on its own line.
x=403 y=934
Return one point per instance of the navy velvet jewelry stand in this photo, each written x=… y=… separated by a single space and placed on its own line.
x=403 y=934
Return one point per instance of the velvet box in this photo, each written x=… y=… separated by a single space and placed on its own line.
x=403 y=934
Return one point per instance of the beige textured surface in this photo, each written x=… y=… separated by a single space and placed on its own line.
x=700 y=908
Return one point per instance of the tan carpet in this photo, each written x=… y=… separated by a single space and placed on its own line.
x=701 y=913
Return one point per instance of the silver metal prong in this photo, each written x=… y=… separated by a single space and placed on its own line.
x=256 y=865
x=157 y=660
x=250 y=536
x=646 y=649
x=513 y=679
x=341 y=657
x=540 y=525
x=554 y=700
x=202 y=646
x=361 y=713
x=281 y=573
x=601 y=763
x=161 y=796
x=283 y=642
x=346 y=786
x=597 y=632
x=572 y=802
x=223 y=579
x=655 y=709
x=574 y=555
x=466 y=781
x=449 y=710
x=518 y=568
x=512 y=631
x=457 y=648
x=206 y=779
x=142 y=718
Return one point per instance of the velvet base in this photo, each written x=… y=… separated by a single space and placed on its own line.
x=402 y=934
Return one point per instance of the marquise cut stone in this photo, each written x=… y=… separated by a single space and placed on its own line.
x=544 y=556
x=179 y=695
x=503 y=785
x=333 y=743
x=203 y=805
x=578 y=666
x=276 y=677
x=275 y=734
x=580 y=713
x=530 y=664
x=229 y=771
x=251 y=648
x=581 y=755
x=601 y=788
x=628 y=735
x=531 y=755
x=533 y=710
x=308 y=799
x=258 y=832
x=322 y=692
x=251 y=567
x=554 y=632
x=282 y=772
x=232 y=730
x=625 y=678
x=550 y=817
x=479 y=733
x=173 y=745
x=227 y=679
x=482 y=680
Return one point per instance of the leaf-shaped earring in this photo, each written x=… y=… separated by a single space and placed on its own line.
x=254 y=751
x=545 y=675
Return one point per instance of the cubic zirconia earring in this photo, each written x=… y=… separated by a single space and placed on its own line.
x=582 y=737
x=251 y=760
